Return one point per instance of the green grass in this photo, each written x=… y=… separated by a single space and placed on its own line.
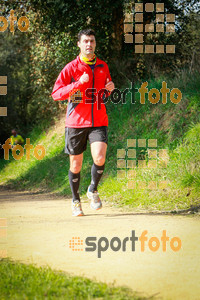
x=176 y=128
x=20 y=281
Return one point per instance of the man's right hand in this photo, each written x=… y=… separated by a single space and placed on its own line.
x=84 y=78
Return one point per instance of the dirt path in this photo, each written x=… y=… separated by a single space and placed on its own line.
x=39 y=227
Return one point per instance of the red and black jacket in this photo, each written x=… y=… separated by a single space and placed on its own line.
x=89 y=110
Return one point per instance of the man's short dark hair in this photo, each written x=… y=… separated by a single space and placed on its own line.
x=87 y=31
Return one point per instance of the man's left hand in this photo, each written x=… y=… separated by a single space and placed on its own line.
x=109 y=85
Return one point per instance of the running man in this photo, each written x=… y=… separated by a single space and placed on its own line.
x=86 y=118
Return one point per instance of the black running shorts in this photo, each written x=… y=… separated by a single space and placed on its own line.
x=76 y=138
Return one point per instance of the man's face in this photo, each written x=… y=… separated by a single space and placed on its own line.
x=87 y=45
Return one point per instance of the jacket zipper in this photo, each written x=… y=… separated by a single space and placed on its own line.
x=93 y=94
x=93 y=98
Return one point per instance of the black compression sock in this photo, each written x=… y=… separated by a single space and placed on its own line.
x=74 y=181
x=96 y=172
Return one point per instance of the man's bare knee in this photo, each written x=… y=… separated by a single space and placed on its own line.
x=75 y=169
x=75 y=164
x=99 y=160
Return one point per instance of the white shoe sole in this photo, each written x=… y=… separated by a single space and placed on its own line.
x=95 y=208
x=79 y=215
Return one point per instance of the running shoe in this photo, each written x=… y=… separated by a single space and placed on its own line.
x=95 y=200
x=77 y=209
